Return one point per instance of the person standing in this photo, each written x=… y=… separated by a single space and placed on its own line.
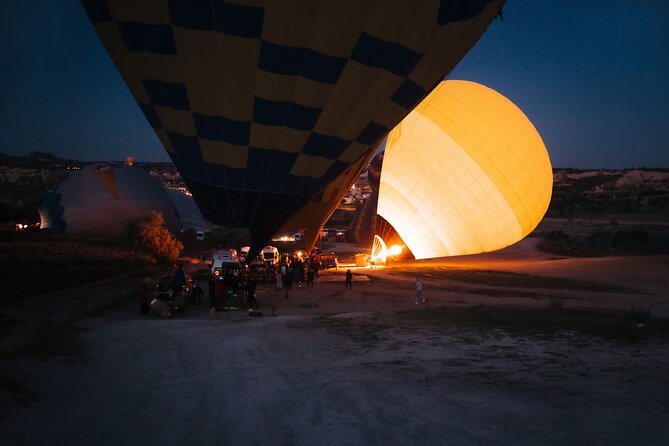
x=144 y=300
x=284 y=283
x=310 y=277
x=251 y=293
x=289 y=277
x=297 y=276
x=181 y=278
x=219 y=291
x=278 y=276
x=212 y=299
x=349 y=280
x=419 y=290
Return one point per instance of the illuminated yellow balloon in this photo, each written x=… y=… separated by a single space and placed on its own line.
x=465 y=172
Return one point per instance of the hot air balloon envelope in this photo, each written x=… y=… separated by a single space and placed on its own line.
x=261 y=104
x=466 y=172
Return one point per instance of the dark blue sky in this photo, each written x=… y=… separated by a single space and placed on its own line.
x=593 y=76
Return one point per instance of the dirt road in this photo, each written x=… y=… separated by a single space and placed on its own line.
x=359 y=368
x=347 y=379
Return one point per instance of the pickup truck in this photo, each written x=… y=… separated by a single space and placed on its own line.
x=329 y=260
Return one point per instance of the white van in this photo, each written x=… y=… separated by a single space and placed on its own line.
x=228 y=255
x=270 y=255
x=223 y=260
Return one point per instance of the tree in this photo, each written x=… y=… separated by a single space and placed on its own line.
x=156 y=238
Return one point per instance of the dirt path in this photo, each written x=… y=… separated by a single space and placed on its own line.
x=348 y=379
x=359 y=368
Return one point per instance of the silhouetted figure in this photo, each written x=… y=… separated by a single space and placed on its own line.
x=349 y=280
x=310 y=277
x=212 y=298
x=419 y=290
x=181 y=278
x=251 y=293
x=144 y=299
x=284 y=284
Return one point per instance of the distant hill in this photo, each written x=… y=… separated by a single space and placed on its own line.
x=609 y=191
x=36 y=159
x=25 y=181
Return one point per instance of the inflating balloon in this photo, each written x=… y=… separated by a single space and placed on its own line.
x=465 y=172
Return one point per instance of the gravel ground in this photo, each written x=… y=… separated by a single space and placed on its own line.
x=357 y=378
x=360 y=368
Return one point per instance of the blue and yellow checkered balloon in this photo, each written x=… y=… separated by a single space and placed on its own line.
x=261 y=104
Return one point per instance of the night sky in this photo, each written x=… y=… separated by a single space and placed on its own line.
x=593 y=76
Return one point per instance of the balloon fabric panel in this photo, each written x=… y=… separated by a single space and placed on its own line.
x=262 y=104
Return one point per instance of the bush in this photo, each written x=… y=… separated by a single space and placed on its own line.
x=156 y=239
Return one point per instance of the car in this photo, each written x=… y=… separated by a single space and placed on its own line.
x=270 y=255
x=329 y=260
x=224 y=260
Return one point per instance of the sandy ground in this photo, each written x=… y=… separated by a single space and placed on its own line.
x=357 y=369
x=643 y=281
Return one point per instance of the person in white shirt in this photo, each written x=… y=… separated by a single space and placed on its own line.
x=419 y=290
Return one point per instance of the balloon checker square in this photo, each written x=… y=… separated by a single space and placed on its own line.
x=262 y=104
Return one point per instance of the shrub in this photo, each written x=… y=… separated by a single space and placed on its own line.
x=156 y=239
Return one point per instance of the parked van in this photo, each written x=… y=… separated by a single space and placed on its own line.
x=270 y=255
x=223 y=260
x=201 y=235
x=227 y=255
x=298 y=236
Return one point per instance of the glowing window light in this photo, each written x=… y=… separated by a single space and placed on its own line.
x=465 y=172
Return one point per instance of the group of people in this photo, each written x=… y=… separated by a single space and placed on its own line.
x=295 y=270
x=238 y=285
